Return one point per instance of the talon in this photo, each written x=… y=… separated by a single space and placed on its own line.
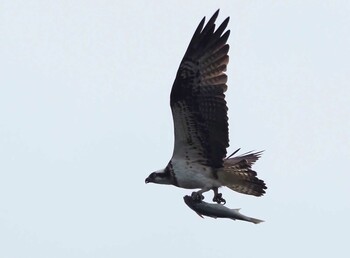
x=198 y=197
x=218 y=198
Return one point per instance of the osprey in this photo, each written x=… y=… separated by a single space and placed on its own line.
x=199 y=112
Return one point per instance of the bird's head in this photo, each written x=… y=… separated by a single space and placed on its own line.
x=159 y=177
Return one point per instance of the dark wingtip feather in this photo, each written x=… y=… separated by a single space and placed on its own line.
x=216 y=13
x=222 y=27
x=206 y=32
x=196 y=33
x=210 y=24
x=225 y=36
x=200 y=25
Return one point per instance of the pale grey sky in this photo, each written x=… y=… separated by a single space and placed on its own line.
x=85 y=117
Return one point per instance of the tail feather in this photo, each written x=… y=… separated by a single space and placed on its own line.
x=249 y=157
x=238 y=175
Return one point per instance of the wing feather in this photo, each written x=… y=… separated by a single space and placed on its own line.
x=197 y=98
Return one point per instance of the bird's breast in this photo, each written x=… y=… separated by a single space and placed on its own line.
x=192 y=175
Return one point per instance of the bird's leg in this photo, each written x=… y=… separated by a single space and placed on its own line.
x=198 y=196
x=218 y=196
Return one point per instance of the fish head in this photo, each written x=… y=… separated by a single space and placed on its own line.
x=192 y=204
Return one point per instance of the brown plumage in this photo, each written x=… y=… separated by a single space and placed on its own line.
x=197 y=98
x=238 y=175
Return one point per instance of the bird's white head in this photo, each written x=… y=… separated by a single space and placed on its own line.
x=161 y=176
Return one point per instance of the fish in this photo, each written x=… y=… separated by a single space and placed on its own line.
x=216 y=210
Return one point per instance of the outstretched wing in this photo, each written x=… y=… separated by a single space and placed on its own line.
x=197 y=98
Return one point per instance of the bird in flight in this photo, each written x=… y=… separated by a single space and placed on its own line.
x=199 y=112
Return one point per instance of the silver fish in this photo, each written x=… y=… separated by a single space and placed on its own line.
x=216 y=210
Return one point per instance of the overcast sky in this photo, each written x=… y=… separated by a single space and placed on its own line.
x=85 y=117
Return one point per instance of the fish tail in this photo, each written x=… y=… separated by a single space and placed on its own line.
x=256 y=221
x=246 y=218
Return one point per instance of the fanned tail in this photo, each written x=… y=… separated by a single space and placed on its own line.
x=238 y=175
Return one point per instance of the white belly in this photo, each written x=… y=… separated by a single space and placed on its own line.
x=194 y=175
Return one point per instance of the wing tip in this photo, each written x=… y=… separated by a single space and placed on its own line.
x=216 y=14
